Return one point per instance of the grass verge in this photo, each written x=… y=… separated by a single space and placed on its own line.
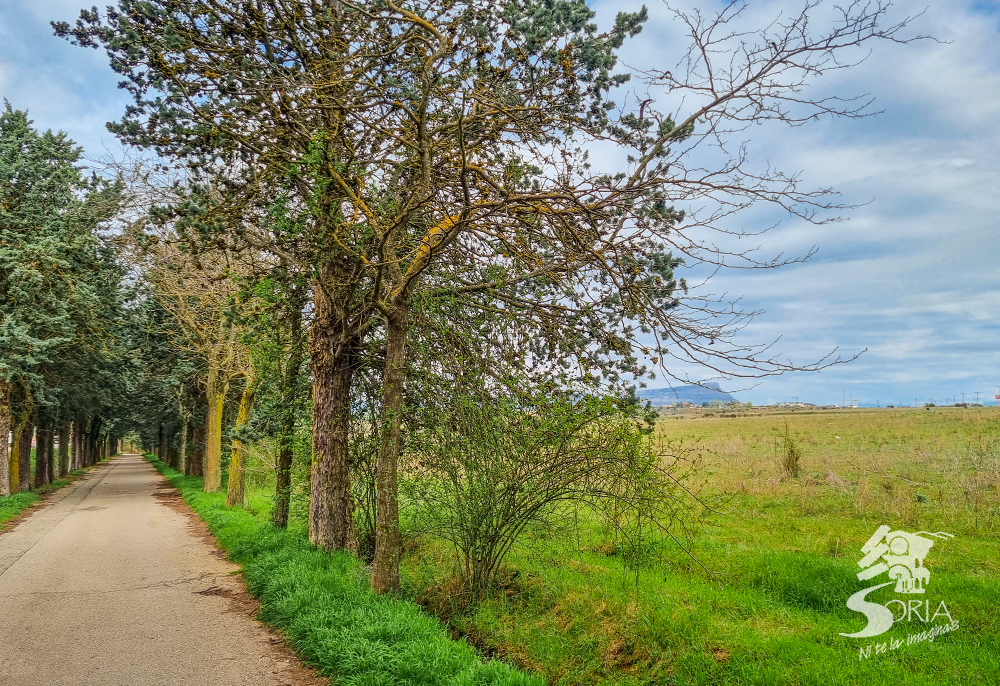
x=13 y=504
x=324 y=606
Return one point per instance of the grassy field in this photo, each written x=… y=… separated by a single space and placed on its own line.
x=781 y=555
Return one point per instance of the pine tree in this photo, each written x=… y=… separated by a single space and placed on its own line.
x=50 y=276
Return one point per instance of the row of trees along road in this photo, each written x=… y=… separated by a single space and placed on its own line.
x=61 y=316
x=385 y=175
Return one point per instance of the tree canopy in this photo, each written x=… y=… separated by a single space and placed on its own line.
x=365 y=196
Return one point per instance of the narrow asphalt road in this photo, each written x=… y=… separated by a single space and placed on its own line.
x=114 y=583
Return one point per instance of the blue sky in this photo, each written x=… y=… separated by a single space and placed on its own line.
x=912 y=276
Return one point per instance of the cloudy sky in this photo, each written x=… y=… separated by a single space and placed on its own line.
x=912 y=276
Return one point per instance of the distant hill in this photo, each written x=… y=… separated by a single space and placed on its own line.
x=685 y=394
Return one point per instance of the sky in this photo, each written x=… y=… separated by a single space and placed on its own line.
x=910 y=280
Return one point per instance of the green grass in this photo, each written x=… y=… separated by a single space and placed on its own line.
x=785 y=553
x=12 y=505
x=324 y=606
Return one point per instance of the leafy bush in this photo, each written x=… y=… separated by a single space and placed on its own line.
x=484 y=468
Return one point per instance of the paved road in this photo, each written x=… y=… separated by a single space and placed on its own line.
x=107 y=586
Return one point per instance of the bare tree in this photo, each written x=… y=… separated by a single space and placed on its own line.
x=198 y=294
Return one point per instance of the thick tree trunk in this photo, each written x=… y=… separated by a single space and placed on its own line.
x=331 y=522
x=81 y=442
x=289 y=383
x=237 y=467
x=14 y=458
x=24 y=458
x=71 y=442
x=93 y=447
x=19 y=471
x=283 y=476
x=385 y=566
x=41 y=447
x=64 y=449
x=5 y=451
x=215 y=392
x=161 y=442
x=174 y=446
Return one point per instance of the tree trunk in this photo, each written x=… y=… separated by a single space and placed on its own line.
x=14 y=457
x=81 y=442
x=76 y=457
x=41 y=446
x=72 y=445
x=196 y=459
x=93 y=446
x=24 y=458
x=64 y=449
x=182 y=459
x=331 y=523
x=237 y=468
x=385 y=566
x=50 y=454
x=215 y=392
x=172 y=445
x=289 y=383
x=5 y=451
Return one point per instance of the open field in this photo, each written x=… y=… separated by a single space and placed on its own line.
x=577 y=608
x=784 y=551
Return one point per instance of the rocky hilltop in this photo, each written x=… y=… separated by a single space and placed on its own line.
x=706 y=392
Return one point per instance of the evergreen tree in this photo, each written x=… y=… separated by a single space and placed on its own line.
x=51 y=275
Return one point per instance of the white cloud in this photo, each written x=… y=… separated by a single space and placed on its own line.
x=912 y=276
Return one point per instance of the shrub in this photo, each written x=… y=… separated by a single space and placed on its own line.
x=791 y=454
x=484 y=469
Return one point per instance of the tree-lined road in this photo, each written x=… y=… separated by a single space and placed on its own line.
x=106 y=585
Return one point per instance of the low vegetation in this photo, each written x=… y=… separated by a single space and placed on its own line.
x=11 y=505
x=14 y=504
x=323 y=604
x=752 y=591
